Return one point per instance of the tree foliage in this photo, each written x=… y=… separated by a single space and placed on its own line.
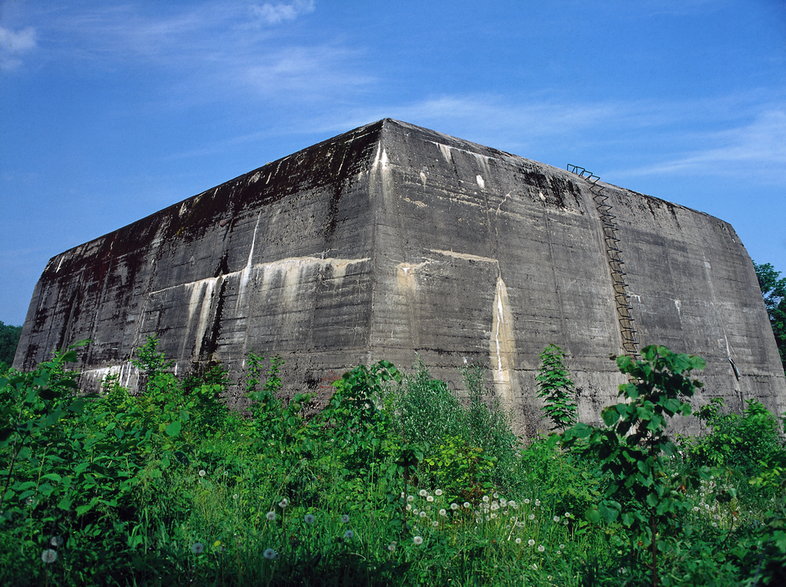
x=9 y=338
x=773 y=290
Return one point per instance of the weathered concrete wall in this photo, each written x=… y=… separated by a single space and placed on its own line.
x=396 y=242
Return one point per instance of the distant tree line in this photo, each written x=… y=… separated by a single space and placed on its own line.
x=773 y=290
x=9 y=338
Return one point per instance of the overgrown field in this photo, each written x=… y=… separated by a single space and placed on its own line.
x=395 y=483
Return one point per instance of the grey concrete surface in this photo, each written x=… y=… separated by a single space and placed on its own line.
x=392 y=241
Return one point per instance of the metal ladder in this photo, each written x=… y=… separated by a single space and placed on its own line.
x=614 y=257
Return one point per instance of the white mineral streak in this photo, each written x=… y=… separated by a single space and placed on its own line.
x=405 y=275
x=201 y=297
x=246 y=271
x=417 y=203
x=380 y=158
x=423 y=178
x=465 y=256
x=481 y=181
x=124 y=372
x=445 y=150
x=502 y=345
x=289 y=272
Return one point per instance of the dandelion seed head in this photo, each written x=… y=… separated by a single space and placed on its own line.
x=202 y=472
x=518 y=541
x=410 y=498
x=430 y=498
x=454 y=506
x=349 y=534
x=537 y=503
x=283 y=503
x=270 y=516
x=49 y=556
x=270 y=554
x=435 y=523
x=526 y=500
x=531 y=517
x=56 y=541
x=541 y=548
x=422 y=514
x=556 y=518
x=467 y=505
x=309 y=518
x=417 y=540
x=485 y=499
x=438 y=492
x=422 y=493
x=392 y=546
x=197 y=548
x=443 y=512
x=345 y=518
x=531 y=542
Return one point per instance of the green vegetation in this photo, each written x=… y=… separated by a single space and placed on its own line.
x=773 y=290
x=394 y=482
x=9 y=339
x=556 y=388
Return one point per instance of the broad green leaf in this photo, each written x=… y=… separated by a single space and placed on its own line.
x=173 y=429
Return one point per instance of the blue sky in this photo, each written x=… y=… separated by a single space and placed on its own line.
x=110 y=111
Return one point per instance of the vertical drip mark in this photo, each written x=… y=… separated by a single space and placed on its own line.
x=502 y=347
x=245 y=273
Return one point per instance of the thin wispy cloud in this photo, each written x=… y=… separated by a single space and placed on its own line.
x=206 y=51
x=14 y=44
x=275 y=13
x=759 y=146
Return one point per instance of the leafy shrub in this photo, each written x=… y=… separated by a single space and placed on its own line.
x=633 y=448
x=749 y=442
x=556 y=388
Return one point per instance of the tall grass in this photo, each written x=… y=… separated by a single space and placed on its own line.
x=396 y=482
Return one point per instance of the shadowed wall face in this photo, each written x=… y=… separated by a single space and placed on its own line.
x=396 y=242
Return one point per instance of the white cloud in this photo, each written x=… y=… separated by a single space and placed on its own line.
x=276 y=13
x=756 y=147
x=13 y=44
